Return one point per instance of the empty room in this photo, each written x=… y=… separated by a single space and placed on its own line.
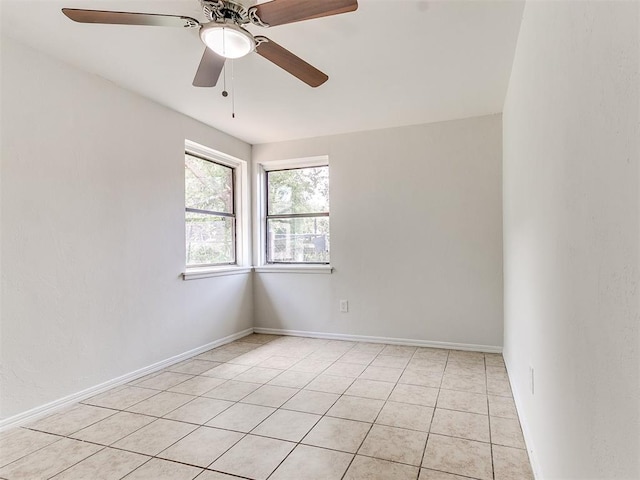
x=320 y=240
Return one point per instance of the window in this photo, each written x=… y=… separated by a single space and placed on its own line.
x=297 y=215
x=210 y=216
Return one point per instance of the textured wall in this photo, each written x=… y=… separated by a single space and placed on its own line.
x=571 y=237
x=92 y=242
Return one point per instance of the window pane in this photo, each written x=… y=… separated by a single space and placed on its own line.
x=209 y=239
x=301 y=190
x=298 y=240
x=208 y=185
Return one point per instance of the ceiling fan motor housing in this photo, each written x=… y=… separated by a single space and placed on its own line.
x=224 y=10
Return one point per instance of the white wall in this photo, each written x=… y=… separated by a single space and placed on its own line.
x=92 y=242
x=416 y=236
x=571 y=237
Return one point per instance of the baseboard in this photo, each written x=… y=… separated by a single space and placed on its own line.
x=389 y=340
x=49 y=408
x=526 y=432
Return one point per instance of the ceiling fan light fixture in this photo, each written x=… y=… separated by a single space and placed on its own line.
x=227 y=39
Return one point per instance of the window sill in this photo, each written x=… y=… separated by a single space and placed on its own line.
x=313 y=269
x=206 y=272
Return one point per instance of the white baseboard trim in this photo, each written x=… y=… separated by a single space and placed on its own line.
x=389 y=340
x=51 y=407
x=526 y=432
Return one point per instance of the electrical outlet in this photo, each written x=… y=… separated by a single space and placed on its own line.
x=344 y=306
x=531 y=380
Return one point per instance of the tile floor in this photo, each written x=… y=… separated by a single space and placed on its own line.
x=269 y=407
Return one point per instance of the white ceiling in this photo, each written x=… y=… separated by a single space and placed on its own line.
x=390 y=63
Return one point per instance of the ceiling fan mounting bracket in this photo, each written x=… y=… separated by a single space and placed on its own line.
x=221 y=11
x=255 y=18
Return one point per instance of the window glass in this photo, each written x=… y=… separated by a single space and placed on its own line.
x=297 y=221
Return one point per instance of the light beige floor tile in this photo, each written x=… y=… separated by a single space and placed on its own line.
x=398 y=351
x=202 y=446
x=506 y=432
x=431 y=353
x=372 y=348
x=226 y=371
x=463 y=383
x=414 y=394
x=260 y=338
x=209 y=475
x=394 y=444
x=311 y=366
x=241 y=417
x=470 y=370
x=113 y=428
x=464 y=355
x=384 y=374
x=311 y=402
x=232 y=390
x=470 y=426
x=292 y=379
x=155 y=437
x=499 y=387
x=217 y=356
x=404 y=415
x=426 y=474
x=421 y=378
x=280 y=362
x=329 y=355
x=192 y=366
x=199 y=410
x=367 y=468
x=330 y=384
x=240 y=346
x=390 y=361
x=337 y=434
x=251 y=359
x=270 y=396
x=426 y=366
x=107 y=464
x=356 y=408
x=361 y=358
x=253 y=457
x=316 y=463
x=458 y=456
x=345 y=369
x=502 y=407
x=157 y=469
x=197 y=385
x=161 y=404
x=49 y=461
x=258 y=375
x=493 y=359
x=287 y=425
x=511 y=463
x=21 y=442
x=71 y=420
x=164 y=380
x=463 y=401
x=370 y=389
x=122 y=398
x=497 y=373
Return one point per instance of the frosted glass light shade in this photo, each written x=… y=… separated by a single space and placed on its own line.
x=227 y=40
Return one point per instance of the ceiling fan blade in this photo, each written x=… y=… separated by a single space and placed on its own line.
x=129 y=18
x=280 y=12
x=290 y=62
x=209 y=69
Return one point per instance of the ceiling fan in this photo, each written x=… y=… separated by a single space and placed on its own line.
x=224 y=34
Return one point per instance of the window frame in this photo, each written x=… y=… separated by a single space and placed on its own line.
x=213 y=213
x=241 y=210
x=261 y=230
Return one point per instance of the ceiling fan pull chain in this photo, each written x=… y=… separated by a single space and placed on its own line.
x=233 y=94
